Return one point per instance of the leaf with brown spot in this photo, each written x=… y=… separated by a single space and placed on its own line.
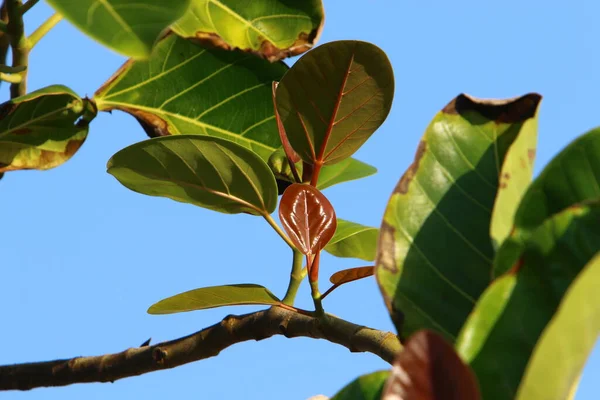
x=308 y=218
x=428 y=368
x=572 y=176
x=41 y=130
x=434 y=250
x=272 y=29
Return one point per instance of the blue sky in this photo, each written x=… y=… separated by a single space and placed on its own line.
x=82 y=257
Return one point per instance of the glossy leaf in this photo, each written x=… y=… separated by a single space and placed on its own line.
x=499 y=337
x=186 y=89
x=366 y=387
x=206 y=171
x=435 y=253
x=129 y=27
x=428 y=368
x=273 y=29
x=41 y=130
x=334 y=98
x=354 y=241
x=561 y=353
x=571 y=177
x=215 y=296
x=308 y=218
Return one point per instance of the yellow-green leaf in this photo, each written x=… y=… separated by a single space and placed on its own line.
x=215 y=296
x=273 y=29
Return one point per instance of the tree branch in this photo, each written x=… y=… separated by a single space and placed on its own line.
x=206 y=343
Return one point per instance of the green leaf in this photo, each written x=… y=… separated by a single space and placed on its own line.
x=130 y=27
x=353 y=240
x=348 y=170
x=569 y=337
x=273 y=29
x=366 y=387
x=215 y=296
x=186 y=89
x=206 y=171
x=435 y=252
x=334 y=98
x=41 y=130
x=571 y=177
x=499 y=336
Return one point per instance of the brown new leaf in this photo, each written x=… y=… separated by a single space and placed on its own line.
x=308 y=218
x=429 y=369
x=351 y=274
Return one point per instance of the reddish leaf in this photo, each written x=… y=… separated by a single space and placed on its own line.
x=348 y=275
x=308 y=217
x=429 y=369
x=351 y=274
x=292 y=156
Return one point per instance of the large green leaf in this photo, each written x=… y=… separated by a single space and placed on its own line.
x=273 y=29
x=215 y=296
x=571 y=177
x=353 y=240
x=499 y=336
x=435 y=253
x=41 y=130
x=130 y=27
x=206 y=171
x=568 y=338
x=334 y=98
x=186 y=89
x=366 y=387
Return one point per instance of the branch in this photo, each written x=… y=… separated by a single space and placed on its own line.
x=206 y=343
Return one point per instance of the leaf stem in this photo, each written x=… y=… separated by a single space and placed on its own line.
x=43 y=29
x=19 y=44
x=28 y=6
x=296 y=277
x=279 y=231
x=315 y=173
x=313 y=277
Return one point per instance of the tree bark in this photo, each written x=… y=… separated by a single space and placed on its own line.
x=203 y=344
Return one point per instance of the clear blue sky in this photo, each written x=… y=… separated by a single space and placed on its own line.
x=82 y=257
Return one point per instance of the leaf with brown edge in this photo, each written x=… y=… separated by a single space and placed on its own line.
x=272 y=29
x=42 y=129
x=308 y=218
x=333 y=99
x=442 y=210
x=428 y=368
